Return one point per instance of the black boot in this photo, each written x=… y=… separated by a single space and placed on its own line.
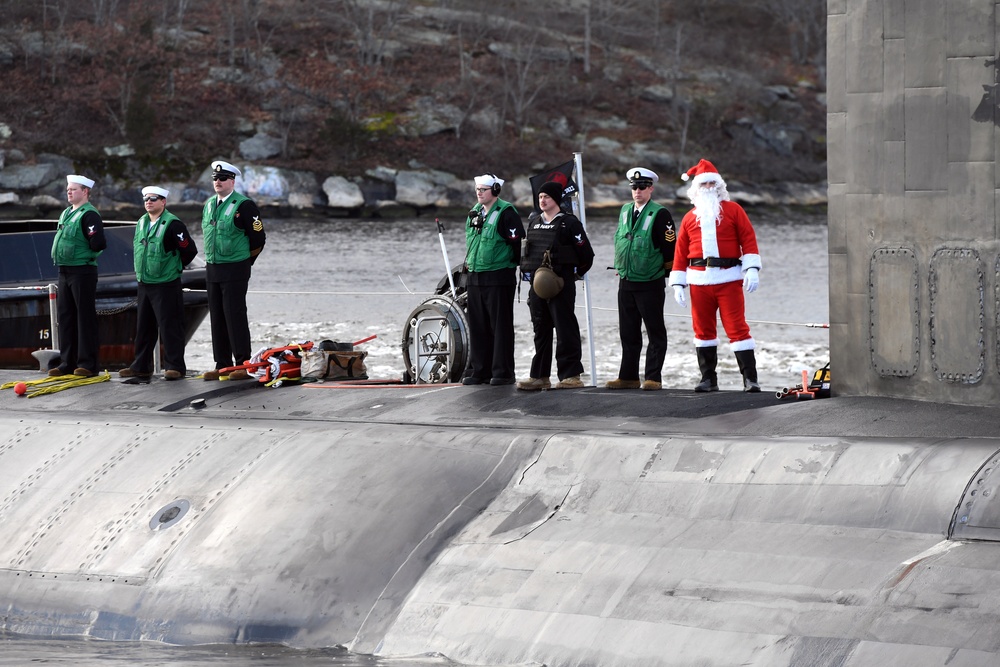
x=748 y=368
x=707 y=359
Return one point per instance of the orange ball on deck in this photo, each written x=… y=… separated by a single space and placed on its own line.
x=20 y=388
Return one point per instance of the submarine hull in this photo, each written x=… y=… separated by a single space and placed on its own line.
x=497 y=527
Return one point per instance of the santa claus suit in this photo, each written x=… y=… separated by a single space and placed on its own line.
x=717 y=289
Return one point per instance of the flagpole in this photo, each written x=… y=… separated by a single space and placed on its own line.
x=582 y=214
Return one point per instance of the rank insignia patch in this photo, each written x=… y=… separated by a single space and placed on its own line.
x=258 y=224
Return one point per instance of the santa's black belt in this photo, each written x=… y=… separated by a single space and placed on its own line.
x=721 y=262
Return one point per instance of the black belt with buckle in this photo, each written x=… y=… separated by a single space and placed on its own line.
x=721 y=262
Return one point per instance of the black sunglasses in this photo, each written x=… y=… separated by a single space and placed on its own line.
x=221 y=177
x=152 y=198
x=641 y=186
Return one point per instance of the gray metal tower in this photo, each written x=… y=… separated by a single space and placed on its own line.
x=914 y=253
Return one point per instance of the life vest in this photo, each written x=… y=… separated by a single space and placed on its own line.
x=153 y=264
x=636 y=258
x=70 y=247
x=486 y=249
x=225 y=243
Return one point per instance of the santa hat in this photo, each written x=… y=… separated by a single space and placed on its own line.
x=703 y=172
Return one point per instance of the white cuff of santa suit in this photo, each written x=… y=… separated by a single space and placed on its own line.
x=750 y=261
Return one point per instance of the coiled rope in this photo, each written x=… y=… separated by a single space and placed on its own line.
x=50 y=385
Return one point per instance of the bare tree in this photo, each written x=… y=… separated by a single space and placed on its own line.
x=174 y=11
x=615 y=22
x=260 y=33
x=372 y=24
x=182 y=6
x=805 y=22
x=467 y=87
x=53 y=11
x=106 y=10
x=522 y=78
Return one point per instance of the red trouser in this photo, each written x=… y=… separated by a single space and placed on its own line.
x=726 y=300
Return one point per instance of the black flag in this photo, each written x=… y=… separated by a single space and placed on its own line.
x=562 y=174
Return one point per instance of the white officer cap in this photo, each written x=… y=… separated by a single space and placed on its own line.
x=80 y=180
x=487 y=180
x=220 y=166
x=153 y=190
x=636 y=174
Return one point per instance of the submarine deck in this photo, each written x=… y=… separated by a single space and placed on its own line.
x=588 y=409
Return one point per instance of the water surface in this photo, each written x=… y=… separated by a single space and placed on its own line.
x=347 y=280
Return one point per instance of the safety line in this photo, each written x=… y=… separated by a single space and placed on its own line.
x=188 y=289
x=811 y=325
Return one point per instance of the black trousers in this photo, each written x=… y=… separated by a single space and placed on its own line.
x=556 y=313
x=491 y=331
x=636 y=308
x=76 y=306
x=227 y=311
x=160 y=311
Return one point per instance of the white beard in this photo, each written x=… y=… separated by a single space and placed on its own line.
x=707 y=205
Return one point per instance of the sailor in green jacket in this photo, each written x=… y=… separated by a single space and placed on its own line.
x=162 y=248
x=493 y=233
x=78 y=242
x=233 y=236
x=644 y=252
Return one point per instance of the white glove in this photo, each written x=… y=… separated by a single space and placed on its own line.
x=679 y=296
x=750 y=280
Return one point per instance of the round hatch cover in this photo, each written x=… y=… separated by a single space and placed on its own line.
x=169 y=514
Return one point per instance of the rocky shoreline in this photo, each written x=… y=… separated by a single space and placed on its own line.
x=36 y=189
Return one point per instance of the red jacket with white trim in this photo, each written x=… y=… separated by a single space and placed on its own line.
x=732 y=236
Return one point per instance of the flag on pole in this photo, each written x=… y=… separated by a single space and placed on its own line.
x=562 y=174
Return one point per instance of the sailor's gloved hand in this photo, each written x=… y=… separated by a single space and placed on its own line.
x=750 y=280
x=679 y=296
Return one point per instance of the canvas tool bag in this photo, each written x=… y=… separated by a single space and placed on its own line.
x=313 y=366
x=347 y=365
x=337 y=364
